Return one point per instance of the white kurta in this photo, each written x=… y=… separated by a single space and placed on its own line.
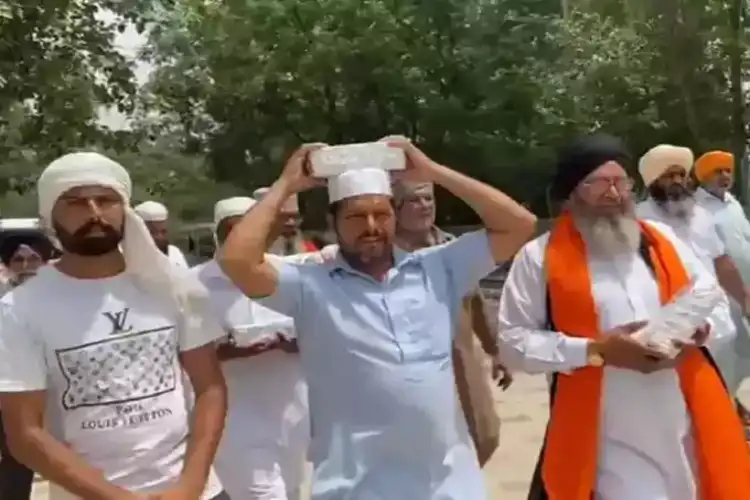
x=645 y=442
x=733 y=229
x=176 y=257
x=267 y=432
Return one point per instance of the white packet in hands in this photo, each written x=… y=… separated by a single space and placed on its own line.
x=678 y=320
x=245 y=336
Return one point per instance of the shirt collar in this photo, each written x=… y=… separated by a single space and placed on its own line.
x=705 y=194
x=339 y=265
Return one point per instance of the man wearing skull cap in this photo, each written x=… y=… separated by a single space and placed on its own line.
x=375 y=327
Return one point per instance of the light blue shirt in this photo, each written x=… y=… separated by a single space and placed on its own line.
x=377 y=357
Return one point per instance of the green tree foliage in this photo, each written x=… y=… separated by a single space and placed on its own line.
x=491 y=87
x=273 y=74
x=488 y=86
x=58 y=61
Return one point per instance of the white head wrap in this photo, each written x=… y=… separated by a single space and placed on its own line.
x=232 y=207
x=658 y=159
x=290 y=205
x=152 y=211
x=359 y=182
x=143 y=259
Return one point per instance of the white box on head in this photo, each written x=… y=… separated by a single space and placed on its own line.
x=331 y=161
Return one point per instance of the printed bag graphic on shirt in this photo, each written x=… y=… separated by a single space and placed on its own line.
x=119 y=370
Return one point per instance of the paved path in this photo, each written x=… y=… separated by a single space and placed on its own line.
x=523 y=409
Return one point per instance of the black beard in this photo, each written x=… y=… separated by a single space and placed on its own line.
x=673 y=192
x=79 y=243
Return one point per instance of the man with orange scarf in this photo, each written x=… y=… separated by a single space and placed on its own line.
x=626 y=422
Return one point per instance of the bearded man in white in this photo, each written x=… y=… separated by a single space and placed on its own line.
x=665 y=170
x=261 y=455
x=104 y=357
x=156 y=217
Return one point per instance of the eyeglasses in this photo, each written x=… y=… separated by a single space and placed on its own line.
x=602 y=184
x=25 y=259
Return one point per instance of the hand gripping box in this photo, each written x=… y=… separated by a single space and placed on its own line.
x=678 y=320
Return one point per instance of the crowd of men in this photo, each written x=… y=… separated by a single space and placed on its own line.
x=126 y=375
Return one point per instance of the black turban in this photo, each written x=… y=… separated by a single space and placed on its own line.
x=36 y=241
x=585 y=155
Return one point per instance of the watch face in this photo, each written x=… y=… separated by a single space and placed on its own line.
x=231 y=338
x=596 y=360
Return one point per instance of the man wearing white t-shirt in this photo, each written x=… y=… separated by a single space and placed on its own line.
x=156 y=216
x=261 y=455
x=103 y=358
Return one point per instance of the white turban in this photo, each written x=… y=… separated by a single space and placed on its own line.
x=152 y=211
x=232 y=207
x=142 y=258
x=658 y=159
x=359 y=182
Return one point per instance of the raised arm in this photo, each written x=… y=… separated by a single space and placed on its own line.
x=509 y=225
x=243 y=255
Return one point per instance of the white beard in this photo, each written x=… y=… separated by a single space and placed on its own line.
x=610 y=236
x=680 y=209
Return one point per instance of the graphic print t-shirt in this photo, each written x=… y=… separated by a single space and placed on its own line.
x=106 y=352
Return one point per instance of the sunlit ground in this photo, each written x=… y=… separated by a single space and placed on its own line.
x=524 y=411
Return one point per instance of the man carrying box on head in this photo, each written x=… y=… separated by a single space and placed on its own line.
x=376 y=326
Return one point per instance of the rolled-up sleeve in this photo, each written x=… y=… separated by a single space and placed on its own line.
x=525 y=344
x=467 y=259
x=287 y=298
x=200 y=327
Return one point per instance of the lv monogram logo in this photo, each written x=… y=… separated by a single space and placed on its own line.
x=118 y=320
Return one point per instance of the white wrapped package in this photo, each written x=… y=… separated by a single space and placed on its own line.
x=678 y=320
x=331 y=161
x=267 y=325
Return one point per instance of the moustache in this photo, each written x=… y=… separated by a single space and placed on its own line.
x=91 y=226
x=678 y=191
x=373 y=235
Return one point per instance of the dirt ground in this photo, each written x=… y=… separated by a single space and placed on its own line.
x=523 y=409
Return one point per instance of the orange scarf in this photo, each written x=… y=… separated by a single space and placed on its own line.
x=571 y=449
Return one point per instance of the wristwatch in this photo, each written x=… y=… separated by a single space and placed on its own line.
x=593 y=357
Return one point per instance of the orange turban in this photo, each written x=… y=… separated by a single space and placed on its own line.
x=711 y=162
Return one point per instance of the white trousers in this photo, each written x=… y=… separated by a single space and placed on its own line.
x=260 y=474
x=213 y=490
x=733 y=358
